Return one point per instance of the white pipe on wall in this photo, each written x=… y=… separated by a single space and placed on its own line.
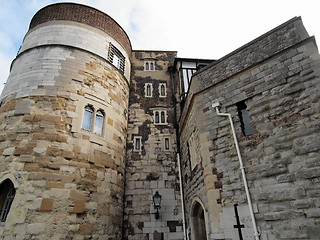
x=185 y=235
x=256 y=233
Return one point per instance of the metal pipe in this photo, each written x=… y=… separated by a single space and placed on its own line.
x=256 y=233
x=185 y=236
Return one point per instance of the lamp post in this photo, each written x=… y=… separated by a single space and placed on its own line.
x=157 y=203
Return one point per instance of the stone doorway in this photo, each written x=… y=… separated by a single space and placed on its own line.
x=198 y=222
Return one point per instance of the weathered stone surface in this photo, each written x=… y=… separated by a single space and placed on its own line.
x=46 y=204
x=280 y=158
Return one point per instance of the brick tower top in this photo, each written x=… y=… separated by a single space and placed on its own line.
x=83 y=14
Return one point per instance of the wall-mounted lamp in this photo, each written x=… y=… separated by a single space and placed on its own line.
x=157 y=203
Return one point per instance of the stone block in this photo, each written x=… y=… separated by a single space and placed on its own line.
x=52 y=184
x=79 y=206
x=85 y=229
x=8 y=151
x=78 y=195
x=36 y=228
x=46 y=204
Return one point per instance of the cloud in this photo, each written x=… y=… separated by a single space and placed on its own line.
x=196 y=29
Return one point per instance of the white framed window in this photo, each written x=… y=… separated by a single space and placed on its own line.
x=148 y=89
x=149 y=65
x=162 y=90
x=137 y=143
x=93 y=119
x=116 y=58
x=87 y=117
x=98 y=123
x=166 y=143
x=160 y=116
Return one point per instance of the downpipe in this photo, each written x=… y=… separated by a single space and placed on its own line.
x=256 y=233
x=185 y=235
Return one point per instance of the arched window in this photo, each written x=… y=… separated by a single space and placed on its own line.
x=7 y=193
x=162 y=90
x=151 y=66
x=87 y=117
x=162 y=117
x=147 y=66
x=98 y=124
x=148 y=90
x=156 y=118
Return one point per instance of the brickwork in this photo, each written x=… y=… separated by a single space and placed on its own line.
x=82 y=14
x=154 y=167
x=282 y=96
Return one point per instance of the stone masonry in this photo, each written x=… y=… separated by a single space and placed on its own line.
x=280 y=86
x=153 y=167
x=69 y=180
x=90 y=130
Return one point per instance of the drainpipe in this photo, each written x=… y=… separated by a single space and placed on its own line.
x=256 y=233
x=185 y=236
x=171 y=70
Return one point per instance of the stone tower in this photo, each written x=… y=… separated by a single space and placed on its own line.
x=64 y=125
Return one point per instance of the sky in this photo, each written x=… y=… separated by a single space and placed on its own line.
x=207 y=29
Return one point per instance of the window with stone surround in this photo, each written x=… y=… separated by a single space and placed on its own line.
x=159 y=116
x=93 y=119
x=87 y=117
x=137 y=141
x=162 y=90
x=7 y=193
x=245 y=119
x=167 y=143
x=116 y=58
x=149 y=65
x=98 y=123
x=148 y=89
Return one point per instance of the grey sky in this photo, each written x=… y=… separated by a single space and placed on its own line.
x=196 y=29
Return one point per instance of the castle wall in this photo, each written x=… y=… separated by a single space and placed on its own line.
x=281 y=91
x=153 y=166
x=69 y=180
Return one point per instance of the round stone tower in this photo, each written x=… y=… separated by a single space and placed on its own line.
x=63 y=124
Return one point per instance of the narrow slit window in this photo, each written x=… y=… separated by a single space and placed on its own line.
x=245 y=119
x=162 y=117
x=98 y=124
x=148 y=90
x=87 y=117
x=156 y=117
x=162 y=90
x=151 y=66
x=137 y=143
x=147 y=66
x=166 y=144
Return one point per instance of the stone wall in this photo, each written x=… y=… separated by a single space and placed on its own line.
x=153 y=167
x=277 y=76
x=69 y=181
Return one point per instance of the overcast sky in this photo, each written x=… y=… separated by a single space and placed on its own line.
x=195 y=28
